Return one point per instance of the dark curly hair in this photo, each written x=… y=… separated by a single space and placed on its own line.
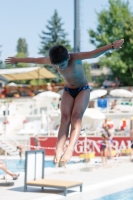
x=58 y=54
x=104 y=136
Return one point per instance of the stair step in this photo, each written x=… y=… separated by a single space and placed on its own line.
x=9 y=146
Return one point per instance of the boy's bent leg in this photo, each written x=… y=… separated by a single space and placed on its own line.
x=66 y=110
x=80 y=104
x=131 y=153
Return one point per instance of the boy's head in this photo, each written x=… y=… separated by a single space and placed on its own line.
x=59 y=56
x=104 y=137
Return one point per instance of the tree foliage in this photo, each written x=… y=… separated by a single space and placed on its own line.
x=55 y=34
x=116 y=22
x=21 y=65
x=22 y=46
x=22 y=52
x=86 y=66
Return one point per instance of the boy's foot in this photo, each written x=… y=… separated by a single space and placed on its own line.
x=58 y=155
x=67 y=155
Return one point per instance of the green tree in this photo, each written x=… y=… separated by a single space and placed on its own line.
x=116 y=22
x=86 y=66
x=55 y=34
x=22 y=52
x=22 y=46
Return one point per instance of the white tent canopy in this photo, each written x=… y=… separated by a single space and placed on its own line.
x=92 y=119
x=121 y=93
x=27 y=73
x=93 y=113
x=97 y=93
x=12 y=84
x=47 y=94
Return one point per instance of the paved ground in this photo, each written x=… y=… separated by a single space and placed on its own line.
x=97 y=181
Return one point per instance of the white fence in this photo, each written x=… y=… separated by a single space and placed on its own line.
x=27 y=116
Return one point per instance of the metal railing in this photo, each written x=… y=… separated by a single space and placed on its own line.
x=8 y=146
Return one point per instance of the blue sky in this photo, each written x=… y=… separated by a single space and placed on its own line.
x=27 y=18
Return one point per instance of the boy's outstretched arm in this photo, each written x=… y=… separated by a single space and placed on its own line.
x=97 y=52
x=41 y=60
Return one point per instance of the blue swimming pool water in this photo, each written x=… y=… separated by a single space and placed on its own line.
x=18 y=165
x=123 y=195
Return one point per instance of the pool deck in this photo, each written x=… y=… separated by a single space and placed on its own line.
x=97 y=181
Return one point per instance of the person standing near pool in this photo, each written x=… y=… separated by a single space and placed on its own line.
x=103 y=149
x=13 y=175
x=21 y=150
x=37 y=140
x=109 y=135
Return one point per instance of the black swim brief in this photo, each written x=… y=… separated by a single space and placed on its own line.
x=74 y=92
x=103 y=147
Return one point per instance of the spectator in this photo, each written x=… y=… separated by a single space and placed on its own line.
x=59 y=103
x=1 y=89
x=2 y=96
x=110 y=123
x=113 y=105
x=49 y=87
x=30 y=93
x=22 y=92
x=116 y=82
x=103 y=148
x=129 y=89
x=32 y=89
x=54 y=104
x=35 y=92
x=130 y=102
x=106 y=83
x=104 y=123
x=21 y=150
x=4 y=91
x=16 y=95
x=131 y=123
x=37 y=141
x=109 y=135
x=123 y=124
x=102 y=102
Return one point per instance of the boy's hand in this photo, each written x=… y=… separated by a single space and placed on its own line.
x=118 y=44
x=11 y=60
